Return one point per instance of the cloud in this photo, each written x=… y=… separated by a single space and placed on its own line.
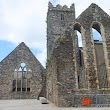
x=42 y=57
x=25 y=20
x=81 y=5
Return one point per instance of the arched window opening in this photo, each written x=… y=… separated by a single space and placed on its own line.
x=20 y=69
x=98 y=44
x=79 y=57
x=96 y=35
x=25 y=69
x=99 y=54
x=80 y=48
x=79 y=39
x=21 y=79
x=79 y=45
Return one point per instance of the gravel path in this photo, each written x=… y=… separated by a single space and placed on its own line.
x=34 y=104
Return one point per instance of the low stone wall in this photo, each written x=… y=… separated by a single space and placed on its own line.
x=96 y=100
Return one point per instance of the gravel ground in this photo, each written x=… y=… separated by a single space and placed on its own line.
x=34 y=104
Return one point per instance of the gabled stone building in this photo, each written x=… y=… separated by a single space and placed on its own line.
x=21 y=75
x=72 y=72
x=68 y=80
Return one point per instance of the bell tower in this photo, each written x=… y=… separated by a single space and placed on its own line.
x=58 y=19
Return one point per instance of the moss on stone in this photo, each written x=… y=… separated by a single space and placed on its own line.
x=48 y=60
x=61 y=40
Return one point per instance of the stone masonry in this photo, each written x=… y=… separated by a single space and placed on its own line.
x=68 y=81
x=29 y=86
x=72 y=72
x=58 y=19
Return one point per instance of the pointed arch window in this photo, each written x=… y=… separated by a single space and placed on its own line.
x=21 y=79
x=99 y=54
x=81 y=77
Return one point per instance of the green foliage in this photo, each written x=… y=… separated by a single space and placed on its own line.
x=61 y=40
x=48 y=60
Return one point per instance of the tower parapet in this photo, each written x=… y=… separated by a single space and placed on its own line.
x=60 y=7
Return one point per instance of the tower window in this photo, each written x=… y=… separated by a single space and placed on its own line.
x=62 y=16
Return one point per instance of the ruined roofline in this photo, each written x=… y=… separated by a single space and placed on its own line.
x=92 y=7
x=11 y=52
x=19 y=46
x=59 y=7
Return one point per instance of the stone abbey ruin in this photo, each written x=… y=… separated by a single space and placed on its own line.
x=72 y=72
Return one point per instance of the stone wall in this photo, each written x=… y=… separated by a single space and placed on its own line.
x=51 y=80
x=94 y=17
x=21 y=54
x=61 y=67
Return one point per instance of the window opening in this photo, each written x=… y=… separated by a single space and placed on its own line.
x=21 y=78
x=99 y=55
x=62 y=16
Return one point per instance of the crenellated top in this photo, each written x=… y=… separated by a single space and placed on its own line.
x=59 y=7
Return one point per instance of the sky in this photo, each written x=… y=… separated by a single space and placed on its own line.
x=25 y=21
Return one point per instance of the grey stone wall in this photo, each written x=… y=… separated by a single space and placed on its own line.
x=64 y=71
x=94 y=17
x=64 y=63
x=51 y=80
x=56 y=25
x=21 y=54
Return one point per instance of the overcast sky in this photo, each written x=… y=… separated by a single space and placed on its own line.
x=24 y=21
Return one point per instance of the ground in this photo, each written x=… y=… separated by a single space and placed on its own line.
x=34 y=104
